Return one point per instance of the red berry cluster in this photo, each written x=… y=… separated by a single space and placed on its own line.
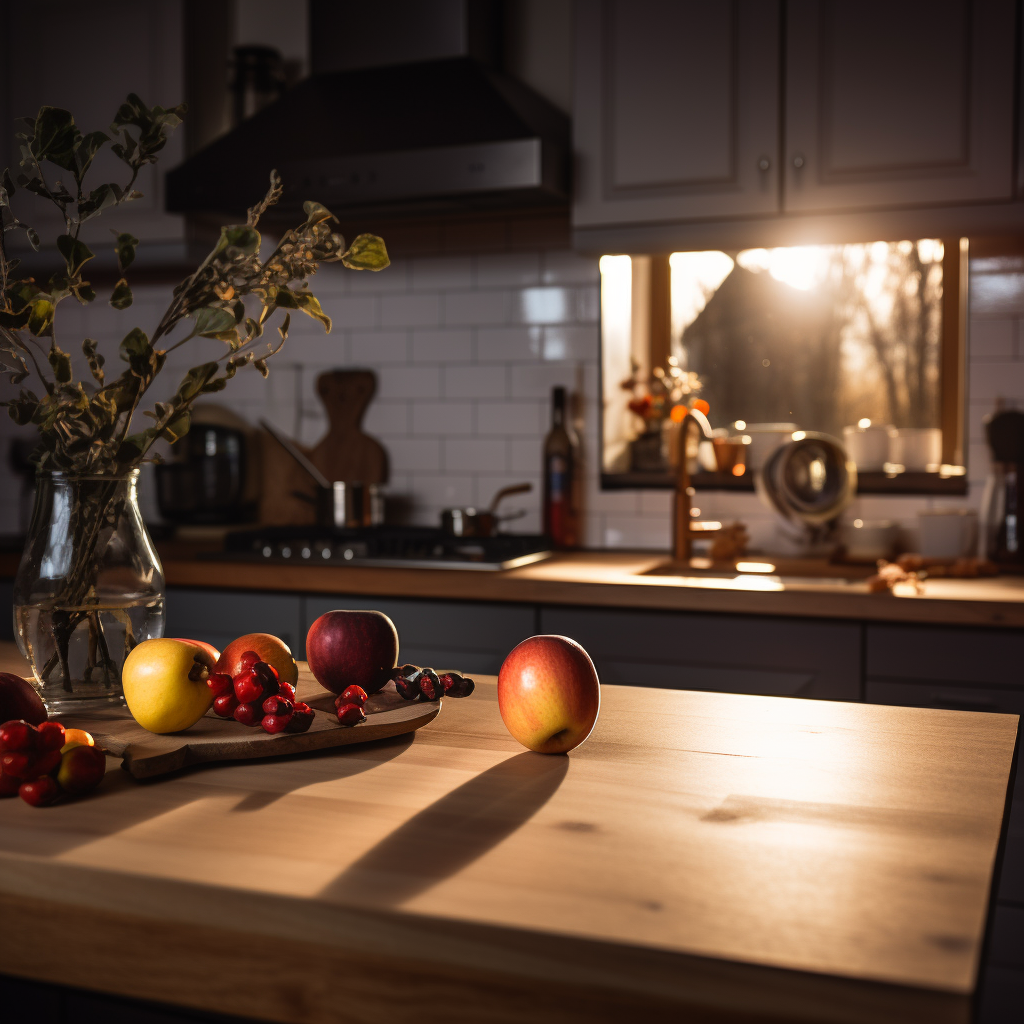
x=256 y=696
x=30 y=760
x=350 y=705
x=411 y=682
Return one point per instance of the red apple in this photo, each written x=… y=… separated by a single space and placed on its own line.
x=352 y=648
x=273 y=651
x=209 y=648
x=549 y=694
x=19 y=700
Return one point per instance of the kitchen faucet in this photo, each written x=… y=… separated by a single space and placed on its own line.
x=682 y=535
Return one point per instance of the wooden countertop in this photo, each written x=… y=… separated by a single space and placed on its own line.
x=614 y=579
x=730 y=857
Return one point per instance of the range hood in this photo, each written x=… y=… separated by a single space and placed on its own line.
x=423 y=136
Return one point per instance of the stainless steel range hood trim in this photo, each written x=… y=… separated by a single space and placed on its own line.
x=440 y=171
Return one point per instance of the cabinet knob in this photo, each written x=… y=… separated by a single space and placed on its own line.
x=798 y=161
x=764 y=164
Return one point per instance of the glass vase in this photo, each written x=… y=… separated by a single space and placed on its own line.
x=89 y=588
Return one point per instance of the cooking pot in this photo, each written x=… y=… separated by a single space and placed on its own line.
x=468 y=522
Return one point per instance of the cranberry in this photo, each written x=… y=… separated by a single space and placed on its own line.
x=408 y=670
x=46 y=762
x=248 y=714
x=50 y=736
x=18 y=764
x=354 y=695
x=247 y=660
x=225 y=704
x=287 y=691
x=431 y=687
x=248 y=687
x=8 y=785
x=302 y=718
x=220 y=683
x=275 y=723
x=277 y=705
x=456 y=685
x=39 y=792
x=406 y=689
x=17 y=735
x=266 y=676
x=351 y=714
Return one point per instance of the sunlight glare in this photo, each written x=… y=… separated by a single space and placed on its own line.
x=695 y=277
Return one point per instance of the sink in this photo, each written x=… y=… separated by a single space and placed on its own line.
x=768 y=568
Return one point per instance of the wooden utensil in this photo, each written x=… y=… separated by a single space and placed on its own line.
x=212 y=738
x=344 y=452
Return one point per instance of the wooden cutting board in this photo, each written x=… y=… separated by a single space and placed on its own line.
x=212 y=738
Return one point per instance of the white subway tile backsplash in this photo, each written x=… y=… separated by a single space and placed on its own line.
x=416 y=310
x=992 y=339
x=349 y=311
x=510 y=419
x=414 y=454
x=537 y=381
x=472 y=308
x=387 y=419
x=569 y=343
x=395 y=278
x=413 y=382
x=475 y=382
x=438 y=275
x=508 y=344
x=508 y=269
x=526 y=454
x=544 y=306
x=442 y=418
x=992 y=380
x=569 y=268
x=371 y=347
x=444 y=345
x=475 y=455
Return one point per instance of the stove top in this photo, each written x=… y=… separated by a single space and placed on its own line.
x=410 y=547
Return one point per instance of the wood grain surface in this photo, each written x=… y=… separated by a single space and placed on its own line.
x=146 y=754
x=702 y=857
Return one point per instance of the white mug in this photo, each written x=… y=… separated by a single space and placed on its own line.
x=947 y=532
x=916 y=449
x=868 y=447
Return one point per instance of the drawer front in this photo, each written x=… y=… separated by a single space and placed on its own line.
x=218 y=616
x=445 y=634
x=940 y=695
x=732 y=654
x=987 y=656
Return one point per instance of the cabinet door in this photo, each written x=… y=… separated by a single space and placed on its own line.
x=898 y=103
x=726 y=653
x=217 y=616
x=444 y=634
x=676 y=111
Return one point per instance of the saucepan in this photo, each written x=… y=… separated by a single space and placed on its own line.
x=468 y=522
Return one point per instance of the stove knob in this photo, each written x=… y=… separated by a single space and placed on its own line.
x=348 y=554
x=268 y=551
x=306 y=552
x=286 y=552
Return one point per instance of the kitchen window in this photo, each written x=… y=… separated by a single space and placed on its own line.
x=862 y=341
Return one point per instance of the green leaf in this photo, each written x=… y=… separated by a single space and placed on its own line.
x=8 y=182
x=177 y=427
x=23 y=408
x=310 y=305
x=54 y=137
x=94 y=359
x=261 y=365
x=125 y=249
x=194 y=383
x=237 y=240
x=60 y=363
x=316 y=213
x=99 y=199
x=40 y=319
x=367 y=252
x=86 y=149
x=145 y=362
x=121 y=297
x=75 y=252
x=212 y=321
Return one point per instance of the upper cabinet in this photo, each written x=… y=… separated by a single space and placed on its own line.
x=677 y=111
x=905 y=103
x=749 y=122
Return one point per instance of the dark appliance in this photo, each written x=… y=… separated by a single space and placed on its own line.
x=408 y=547
x=1002 y=516
x=405 y=112
x=205 y=481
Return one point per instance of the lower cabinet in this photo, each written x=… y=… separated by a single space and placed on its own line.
x=727 y=653
x=218 y=616
x=461 y=635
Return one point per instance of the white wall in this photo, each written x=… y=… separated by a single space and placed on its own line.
x=467 y=351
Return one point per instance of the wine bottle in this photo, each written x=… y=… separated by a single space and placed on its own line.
x=561 y=477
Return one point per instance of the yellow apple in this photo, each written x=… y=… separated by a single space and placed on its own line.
x=549 y=694
x=165 y=684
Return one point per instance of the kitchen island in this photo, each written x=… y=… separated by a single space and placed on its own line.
x=717 y=856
